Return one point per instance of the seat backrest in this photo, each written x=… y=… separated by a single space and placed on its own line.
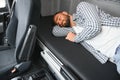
x=19 y=24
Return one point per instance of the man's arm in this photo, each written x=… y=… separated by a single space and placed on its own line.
x=92 y=23
x=61 y=31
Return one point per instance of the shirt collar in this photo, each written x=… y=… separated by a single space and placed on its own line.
x=74 y=17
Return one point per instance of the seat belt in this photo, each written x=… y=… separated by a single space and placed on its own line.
x=5 y=40
x=12 y=7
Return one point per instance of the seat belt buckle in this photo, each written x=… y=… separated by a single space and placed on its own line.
x=14 y=70
x=21 y=67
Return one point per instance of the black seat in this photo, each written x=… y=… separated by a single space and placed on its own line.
x=20 y=37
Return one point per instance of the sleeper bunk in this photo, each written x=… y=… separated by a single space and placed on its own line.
x=71 y=61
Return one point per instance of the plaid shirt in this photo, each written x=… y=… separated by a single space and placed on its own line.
x=91 y=18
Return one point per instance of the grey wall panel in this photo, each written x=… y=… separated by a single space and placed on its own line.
x=74 y=5
x=65 y=5
x=109 y=6
x=49 y=7
x=69 y=5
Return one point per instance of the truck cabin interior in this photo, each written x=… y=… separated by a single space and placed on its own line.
x=29 y=50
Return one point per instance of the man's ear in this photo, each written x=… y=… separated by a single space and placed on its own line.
x=64 y=12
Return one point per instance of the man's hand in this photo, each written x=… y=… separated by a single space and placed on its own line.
x=72 y=23
x=70 y=36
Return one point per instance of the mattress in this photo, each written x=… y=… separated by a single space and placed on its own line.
x=74 y=56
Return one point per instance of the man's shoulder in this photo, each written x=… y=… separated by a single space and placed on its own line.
x=83 y=6
x=83 y=3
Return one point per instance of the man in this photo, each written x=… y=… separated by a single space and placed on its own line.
x=91 y=19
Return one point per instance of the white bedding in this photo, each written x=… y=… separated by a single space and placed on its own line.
x=106 y=42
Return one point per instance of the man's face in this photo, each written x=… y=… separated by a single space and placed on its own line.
x=62 y=19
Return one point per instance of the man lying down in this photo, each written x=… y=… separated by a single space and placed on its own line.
x=98 y=31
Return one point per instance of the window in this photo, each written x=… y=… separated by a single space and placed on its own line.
x=2 y=3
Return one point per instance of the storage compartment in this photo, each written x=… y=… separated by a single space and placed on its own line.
x=41 y=74
x=58 y=69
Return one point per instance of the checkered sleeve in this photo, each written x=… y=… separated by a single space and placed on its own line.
x=92 y=23
x=61 y=31
x=109 y=20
